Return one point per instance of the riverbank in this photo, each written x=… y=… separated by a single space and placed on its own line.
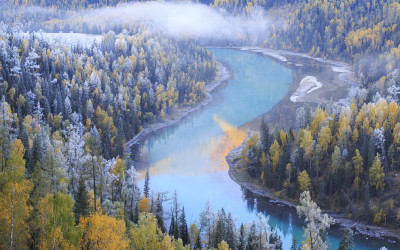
x=223 y=75
x=331 y=80
x=283 y=115
x=240 y=175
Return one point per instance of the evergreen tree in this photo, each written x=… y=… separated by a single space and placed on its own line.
x=136 y=213
x=294 y=243
x=160 y=213
x=242 y=237
x=146 y=189
x=183 y=229
x=264 y=131
x=367 y=199
x=347 y=241
x=198 y=244
x=219 y=229
x=172 y=226
x=81 y=201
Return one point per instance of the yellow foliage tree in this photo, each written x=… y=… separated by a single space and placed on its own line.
x=144 y=205
x=103 y=232
x=325 y=138
x=376 y=174
x=275 y=152
x=304 y=181
x=14 y=210
x=147 y=235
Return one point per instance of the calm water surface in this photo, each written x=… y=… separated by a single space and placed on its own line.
x=189 y=157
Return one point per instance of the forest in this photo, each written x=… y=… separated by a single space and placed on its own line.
x=67 y=180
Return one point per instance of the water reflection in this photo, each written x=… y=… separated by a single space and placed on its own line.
x=189 y=157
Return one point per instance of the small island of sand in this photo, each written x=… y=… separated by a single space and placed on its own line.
x=307 y=85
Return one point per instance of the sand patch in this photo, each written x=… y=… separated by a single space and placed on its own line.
x=307 y=85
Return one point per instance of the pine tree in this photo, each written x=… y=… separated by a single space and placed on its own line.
x=294 y=243
x=198 y=244
x=347 y=241
x=252 y=241
x=219 y=230
x=81 y=201
x=183 y=229
x=367 y=199
x=264 y=130
x=160 y=213
x=146 y=189
x=172 y=226
x=316 y=223
x=242 y=237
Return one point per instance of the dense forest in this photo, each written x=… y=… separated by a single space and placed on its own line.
x=66 y=113
x=347 y=157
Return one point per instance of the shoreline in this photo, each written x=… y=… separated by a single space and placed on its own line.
x=346 y=75
x=223 y=74
x=233 y=158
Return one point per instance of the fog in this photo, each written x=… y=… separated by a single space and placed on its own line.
x=186 y=19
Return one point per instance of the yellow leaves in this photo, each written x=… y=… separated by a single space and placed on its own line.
x=17 y=154
x=382 y=82
x=355 y=135
x=320 y=115
x=118 y=171
x=21 y=100
x=147 y=235
x=325 y=138
x=376 y=174
x=275 y=151
x=56 y=222
x=133 y=60
x=358 y=163
x=306 y=142
x=304 y=181
x=393 y=113
x=223 y=246
x=57 y=119
x=14 y=209
x=103 y=232
x=379 y=216
x=283 y=137
x=144 y=204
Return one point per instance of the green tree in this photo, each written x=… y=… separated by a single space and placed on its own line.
x=183 y=229
x=146 y=189
x=294 y=243
x=56 y=222
x=82 y=206
x=347 y=241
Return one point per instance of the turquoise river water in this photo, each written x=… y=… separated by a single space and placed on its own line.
x=189 y=156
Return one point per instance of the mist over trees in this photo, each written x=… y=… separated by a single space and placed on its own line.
x=70 y=103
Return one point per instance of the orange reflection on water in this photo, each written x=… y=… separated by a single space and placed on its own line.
x=233 y=137
x=209 y=156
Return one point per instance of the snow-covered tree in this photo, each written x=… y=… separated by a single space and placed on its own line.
x=316 y=223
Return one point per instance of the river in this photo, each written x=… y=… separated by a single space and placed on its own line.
x=189 y=156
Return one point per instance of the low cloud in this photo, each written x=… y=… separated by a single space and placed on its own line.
x=187 y=19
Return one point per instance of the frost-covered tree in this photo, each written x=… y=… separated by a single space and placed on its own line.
x=75 y=157
x=207 y=218
x=316 y=223
x=347 y=241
